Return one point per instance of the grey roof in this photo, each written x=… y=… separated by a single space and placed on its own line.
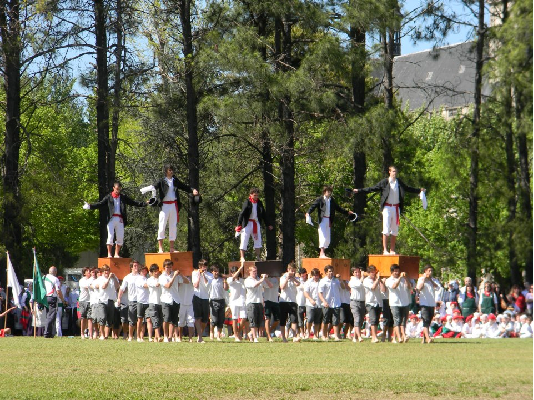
x=442 y=77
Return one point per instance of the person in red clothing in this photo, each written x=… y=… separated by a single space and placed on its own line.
x=517 y=299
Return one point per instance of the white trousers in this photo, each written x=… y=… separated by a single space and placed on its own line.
x=167 y=215
x=247 y=233
x=115 y=228
x=324 y=233
x=389 y=219
x=59 y=317
x=186 y=316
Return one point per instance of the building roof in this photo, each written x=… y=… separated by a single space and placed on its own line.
x=442 y=77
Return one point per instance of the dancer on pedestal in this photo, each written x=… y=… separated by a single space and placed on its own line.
x=391 y=204
x=248 y=223
x=169 y=202
x=326 y=208
x=117 y=218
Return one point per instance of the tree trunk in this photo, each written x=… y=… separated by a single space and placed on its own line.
x=193 y=237
x=11 y=49
x=472 y=259
x=387 y=46
x=267 y=159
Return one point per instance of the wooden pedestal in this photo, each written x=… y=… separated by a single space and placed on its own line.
x=182 y=261
x=341 y=265
x=119 y=266
x=270 y=267
x=408 y=264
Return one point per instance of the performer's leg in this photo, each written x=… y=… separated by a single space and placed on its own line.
x=119 y=232
x=324 y=236
x=385 y=243
x=173 y=221
x=257 y=244
x=111 y=234
x=162 y=223
x=386 y=227
x=392 y=240
x=245 y=236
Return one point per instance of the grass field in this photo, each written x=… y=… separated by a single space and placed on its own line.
x=64 y=368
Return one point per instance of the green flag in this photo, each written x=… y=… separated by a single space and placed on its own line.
x=39 y=291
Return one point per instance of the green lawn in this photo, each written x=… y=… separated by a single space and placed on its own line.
x=64 y=368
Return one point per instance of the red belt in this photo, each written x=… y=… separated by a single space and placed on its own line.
x=329 y=221
x=397 y=209
x=254 y=228
x=118 y=215
x=175 y=202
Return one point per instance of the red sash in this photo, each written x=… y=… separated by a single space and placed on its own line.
x=175 y=202
x=397 y=210
x=117 y=215
x=254 y=228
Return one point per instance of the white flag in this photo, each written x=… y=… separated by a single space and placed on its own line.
x=13 y=282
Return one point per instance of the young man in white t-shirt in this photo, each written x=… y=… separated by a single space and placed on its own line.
x=399 y=301
x=288 y=302
x=186 y=316
x=217 y=287
x=142 y=302
x=272 y=306
x=254 y=300
x=329 y=295
x=84 y=305
x=237 y=303
x=169 y=282
x=201 y=307
x=373 y=299
x=427 y=300
x=314 y=311
x=357 y=301
x=129 y=286
x=107 y=286
x=153 y=313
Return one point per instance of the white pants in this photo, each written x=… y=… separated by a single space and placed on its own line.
x=324 y=233
x=168 y=215
x=238 y=312
x=115 y=228
x=247 y=233
x=59 y=317
x=186 y=316
x=390 y=226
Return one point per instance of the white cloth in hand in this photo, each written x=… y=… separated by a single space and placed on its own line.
x=423 y=199
x=86 y=206
x=309 y=220
x=148 y=189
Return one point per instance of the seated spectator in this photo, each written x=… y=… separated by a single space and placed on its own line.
x=526 y=330
x=492 y=328
x=414 y=328
x=528 y=299
x=435 y=325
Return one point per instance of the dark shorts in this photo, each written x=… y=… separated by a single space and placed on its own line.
x=302 y=316
x=346 y=314
x=124 y=314
x=374 y=314
x=92 y=312
x=400 y=315
x=427 y=314
x=358 y=312
x=272 y=311
x=386 y=314
x=99 y=313
x=201 y=309
x=154 y=314
x=255 y=315
x=288 y=310
x=331 y=315
x=315 y=315
x=170 y=312
x=141 y=310
x=217 y=308
x=132 y=313
x=116 y=317
x=84 y=308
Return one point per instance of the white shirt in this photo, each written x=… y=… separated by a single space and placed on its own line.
x=312 y=288
x=330 y=289
x=52 y=285
x=357 y=290
x=202 y=290
x=237 y=292
x=142 y=291
x=301 y=300
x=186 y=293
x=271 y=294
x=345 y=295
x=129 y=285
x=289 y=293
x=400 y=296
x=168 y=295
x=372 y=296
x=254 y=294
x=393 y=197
x=84 y=289
x=170 y=196
x=327 y=207
x=117 y=205
x=93 y=293
x=216 y=289
x=254 y=212
x=109 y=293
x=426 y=295
x=154 y=290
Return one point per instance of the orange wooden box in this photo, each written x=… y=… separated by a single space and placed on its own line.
x=269 y=267
x=341 y=265
x=182 y=261
x=408 y=264
x=119 y=266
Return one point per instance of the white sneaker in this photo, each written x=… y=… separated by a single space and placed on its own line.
x=139 y=340
x=166 y=340
x=392 y=253
x=256 y=340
